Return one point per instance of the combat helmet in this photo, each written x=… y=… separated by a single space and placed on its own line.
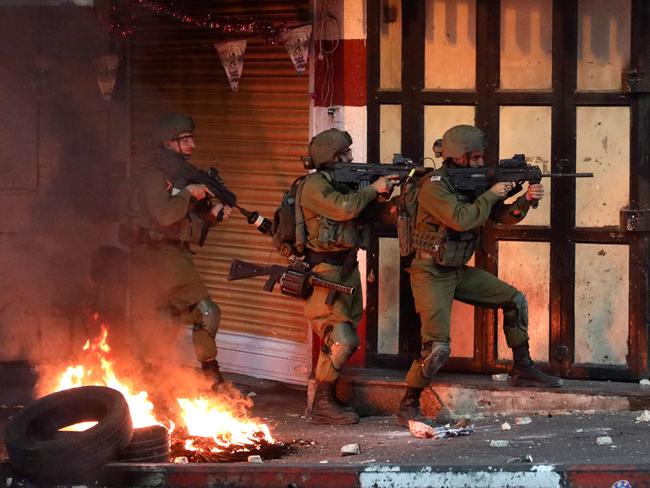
x=462 y=139
x=326 y=145
x=169 y=126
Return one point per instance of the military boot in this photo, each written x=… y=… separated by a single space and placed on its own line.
x=409 y=407
x=524 y=372
x=211 y=371
x=325 y=409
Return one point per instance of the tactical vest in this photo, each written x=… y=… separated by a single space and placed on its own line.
x=448 y=247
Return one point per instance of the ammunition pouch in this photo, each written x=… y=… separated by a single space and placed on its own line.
x=333 y=233
x=448 y=248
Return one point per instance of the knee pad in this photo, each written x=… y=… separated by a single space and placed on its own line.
x=207 y=316
x=434 y=355
x=515 y=312
x=341 y=342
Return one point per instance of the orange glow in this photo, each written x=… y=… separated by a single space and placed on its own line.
x=205 y=418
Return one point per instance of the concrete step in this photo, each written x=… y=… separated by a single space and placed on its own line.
x=378 y=392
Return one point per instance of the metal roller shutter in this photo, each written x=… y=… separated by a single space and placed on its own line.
x=254 y=136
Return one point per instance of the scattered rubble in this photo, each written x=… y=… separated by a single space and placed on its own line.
x=644 y=382
x=523 y=420
x=522 y=459
x=644 y=417
x=180 y=460
x=350 y=449
x=426 y=431
x=256 y=458
x=506 y=426
x=500 y=377
x=604 y=441
x=498 y=443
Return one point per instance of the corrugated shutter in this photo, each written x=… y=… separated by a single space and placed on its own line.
x=254 y=136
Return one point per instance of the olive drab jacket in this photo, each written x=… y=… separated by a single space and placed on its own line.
x=331 y=214
x=165 y=209
x=447 y=221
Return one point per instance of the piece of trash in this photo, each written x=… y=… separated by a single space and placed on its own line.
x=500 y=377
x=464 y=422
x=499 y=443
x=523 y=420
x=350 y=450
x=324 y=461
x=523 y=459
x=251 y=394
x=644 y=417
x=181 y=460
x=9 y=480
x=644 y=382
x=426 y=431
x=506 y=426
x=622 y=484
x=604 y=440
x=256 y=458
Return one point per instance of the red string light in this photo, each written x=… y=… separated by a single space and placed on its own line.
x=124 y=15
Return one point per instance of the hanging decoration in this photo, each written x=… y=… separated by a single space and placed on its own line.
x=232 y=58
x=124 y=15
x=297 y=44
x=106 y=70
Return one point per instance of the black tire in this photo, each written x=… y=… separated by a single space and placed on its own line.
x=37 y=450
x=149 y=444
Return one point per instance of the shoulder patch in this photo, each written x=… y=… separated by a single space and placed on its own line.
x=436 y=178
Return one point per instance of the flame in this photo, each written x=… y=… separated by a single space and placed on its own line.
x=204 y=418
x=98 y=370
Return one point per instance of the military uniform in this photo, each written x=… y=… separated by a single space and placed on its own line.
x=445 y=237
x=165 y=283
x=332 y=230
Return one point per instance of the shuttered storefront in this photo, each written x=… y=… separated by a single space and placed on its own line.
x=255 y=137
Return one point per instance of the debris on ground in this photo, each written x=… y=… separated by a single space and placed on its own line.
x=644 y=382
x=350 y=450
x=506 y=426
x=256 y=458
x=180 y=460
x=522 y=459
x=644 y=417
x=498 y=443
x=426 y=431
x=604 y=440
x=500 y=377
x=523 y=420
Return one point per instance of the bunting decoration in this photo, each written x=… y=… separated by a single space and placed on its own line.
x=232 y=58
x=106 y=70
x=297 y=44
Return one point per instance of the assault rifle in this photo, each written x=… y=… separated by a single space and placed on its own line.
x=360 y=175
x=295 y=280
x=190 y=174
x=479 y=180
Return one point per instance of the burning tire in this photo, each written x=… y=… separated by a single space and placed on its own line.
x=37 y=450
x=148 y=445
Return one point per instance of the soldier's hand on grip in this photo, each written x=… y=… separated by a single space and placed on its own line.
x=502 y=188
x=535 y=192
x=384 y=185
x=198 y=191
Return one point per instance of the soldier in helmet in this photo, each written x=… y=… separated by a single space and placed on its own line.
x=335 y=217
x=446 y=235
x=171 y=215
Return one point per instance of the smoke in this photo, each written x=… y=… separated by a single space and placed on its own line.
x=60 y=168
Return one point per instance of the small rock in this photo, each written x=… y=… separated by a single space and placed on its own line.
x=499 y=443
x=604 y=441
x=500 y=377
x=644 y=382
x=181 y=460
x=505 y=426
x=644 y=417
x=350 y=449
x=523 y=420
x=251 y=394
x=256 y=458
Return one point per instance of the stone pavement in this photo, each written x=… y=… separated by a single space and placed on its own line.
x=559 y=447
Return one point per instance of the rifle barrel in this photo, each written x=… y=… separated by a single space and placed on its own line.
x=568 y=175
x=331 y=285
